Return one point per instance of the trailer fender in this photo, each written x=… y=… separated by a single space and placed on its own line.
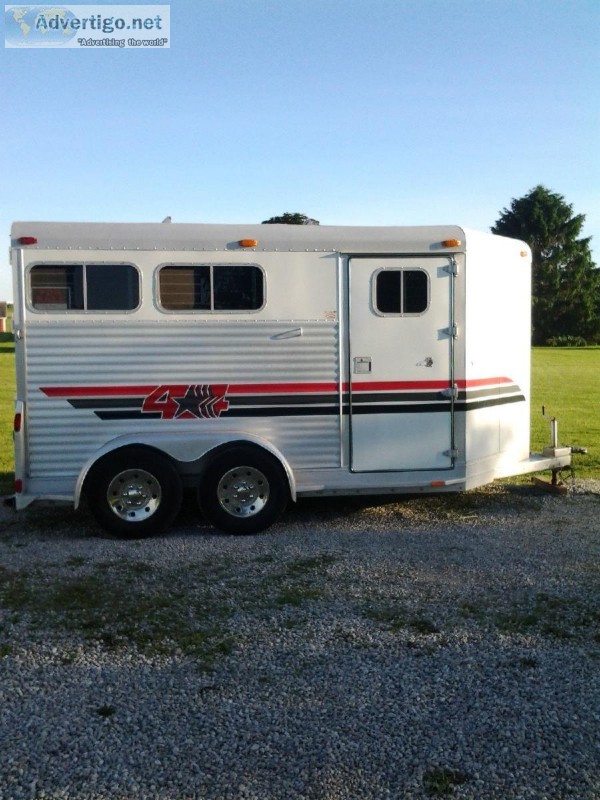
x=184 y=449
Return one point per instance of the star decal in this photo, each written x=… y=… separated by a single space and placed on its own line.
x=199 y=402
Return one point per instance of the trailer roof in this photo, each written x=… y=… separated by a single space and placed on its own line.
x=205 y=237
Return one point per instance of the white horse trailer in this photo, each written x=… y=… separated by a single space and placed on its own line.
x=261 y=363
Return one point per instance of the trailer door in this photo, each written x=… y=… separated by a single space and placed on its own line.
x=402 y=392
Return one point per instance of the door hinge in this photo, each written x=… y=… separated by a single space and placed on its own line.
x=452 y=453
x=451 y=392
x=452 y=330
x=452 y=268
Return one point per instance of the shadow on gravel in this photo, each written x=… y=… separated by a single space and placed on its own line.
x=59 y=521
x=478 y=503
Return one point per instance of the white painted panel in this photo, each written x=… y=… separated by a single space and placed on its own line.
x=400 y=419
x=386 y=443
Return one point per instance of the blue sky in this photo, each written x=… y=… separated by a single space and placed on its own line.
x=391 y=112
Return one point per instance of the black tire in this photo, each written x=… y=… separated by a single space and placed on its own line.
x=134 y=492
x=244 y=491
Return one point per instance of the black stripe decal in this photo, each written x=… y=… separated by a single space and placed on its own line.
x=391 y=397
x=299 y=411
x=285 y=401
x=470 y=393
x=280 y=399
x=499 y=401
x=236 y=412
x=128 y=415
x=108 y=402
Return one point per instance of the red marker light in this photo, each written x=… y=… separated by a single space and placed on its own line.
x=27 y=240
x=18 y=421
x=18 y=486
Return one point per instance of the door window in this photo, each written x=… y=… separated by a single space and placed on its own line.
x=401 y=292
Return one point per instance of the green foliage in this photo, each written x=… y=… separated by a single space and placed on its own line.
x=105 y=711
x=543 y=614
x=559 y=617
x=440 y=782
x=566 y=282
x=566 y=341
x=289 y=218
x=126 y=604
x=297 y=595
x=396 y=618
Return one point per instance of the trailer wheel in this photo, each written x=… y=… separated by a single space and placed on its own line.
x=244 y=491
x=134 y=492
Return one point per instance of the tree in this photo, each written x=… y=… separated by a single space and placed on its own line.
x=291 y=219
x=565 y=280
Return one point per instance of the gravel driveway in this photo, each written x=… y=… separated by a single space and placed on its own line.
x=444 y=646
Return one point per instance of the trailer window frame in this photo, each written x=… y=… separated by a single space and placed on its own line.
x=402 y=312
x=83 y=288
x=210 y=265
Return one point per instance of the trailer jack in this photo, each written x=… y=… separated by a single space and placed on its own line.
x=557 y=484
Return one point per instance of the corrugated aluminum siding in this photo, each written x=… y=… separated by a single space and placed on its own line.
x=122 y=351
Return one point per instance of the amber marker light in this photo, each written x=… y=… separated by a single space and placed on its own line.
x=248 y=242
x=452 y=242
x=523 y=253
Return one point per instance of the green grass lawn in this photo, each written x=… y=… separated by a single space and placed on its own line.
x=565 y=380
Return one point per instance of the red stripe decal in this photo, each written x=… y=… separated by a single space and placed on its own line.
x=276 y=388
x=482 y=382
x=97 y=391
x=399 y=386
x=284 y=388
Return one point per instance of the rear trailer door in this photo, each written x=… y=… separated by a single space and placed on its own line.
x=401 y=320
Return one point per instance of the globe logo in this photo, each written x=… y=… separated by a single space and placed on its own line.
x=38 y=26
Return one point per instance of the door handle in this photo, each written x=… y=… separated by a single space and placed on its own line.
x=362 y=365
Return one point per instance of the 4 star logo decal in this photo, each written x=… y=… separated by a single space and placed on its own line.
x=191 y=401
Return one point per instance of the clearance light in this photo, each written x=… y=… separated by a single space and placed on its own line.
x=18 y=486
x=27 y=240
x=452 y=242
x=17 y=422
x=248 y=242
x=524 y=253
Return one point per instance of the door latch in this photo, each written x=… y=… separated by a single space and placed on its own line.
x=451 y=393
x=362 y=365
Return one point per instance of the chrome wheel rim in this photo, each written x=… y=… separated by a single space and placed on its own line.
x=243 y=491
x=134 y=495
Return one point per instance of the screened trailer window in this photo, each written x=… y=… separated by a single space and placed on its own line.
x=401 y=291
x=211 y=287
x=84 y=287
